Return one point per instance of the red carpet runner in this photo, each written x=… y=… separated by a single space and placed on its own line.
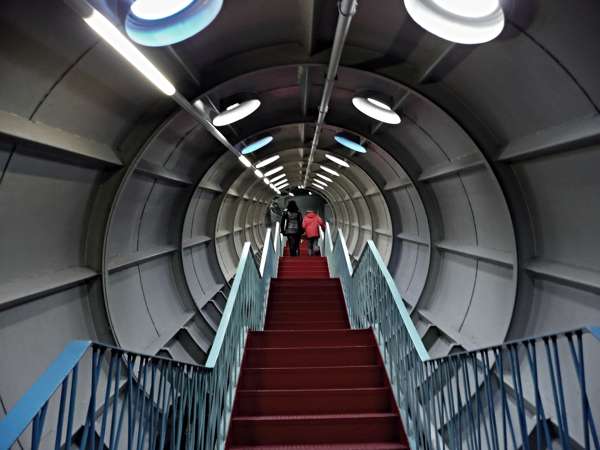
x=308 y=381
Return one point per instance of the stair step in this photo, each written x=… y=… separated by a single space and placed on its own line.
x=306 y=295
x=308 y=315
x=313 y=401
x=346 y=446
x=312 y=377
x=310 y=356
x=314 y=325
x=300 y=305
x=315 y=429
x=310 y=338
x=329 y=283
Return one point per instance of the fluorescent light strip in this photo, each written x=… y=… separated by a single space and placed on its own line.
x=284 y=186
x=258 y=173
x=330 y=171
x=316 y=180
x=274 y=171
x=336 y=160
x=125 y=47
x=266 y=162
x=320 y=175
x=266 y=181
x=278 y=177
x=279 y=183
x=245 y=161
x=318 y=186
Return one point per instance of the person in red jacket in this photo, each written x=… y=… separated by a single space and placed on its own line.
x=311 y=223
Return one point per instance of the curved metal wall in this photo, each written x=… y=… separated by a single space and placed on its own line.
x=121 y=219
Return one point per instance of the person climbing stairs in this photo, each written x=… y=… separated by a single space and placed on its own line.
x=308 y=381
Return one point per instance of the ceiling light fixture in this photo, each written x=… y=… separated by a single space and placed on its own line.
x=158 y=9
x=245 y=161
x=316 y=180
x=266 y=162
x=125 y=47
x=330 y=171
x=319 y=186
x=257 y=145
x=461 y=21
x=336 y=160
x=280 y=183
x=278 y=177
x=320 y=175
x=354 y=146
x=236 y=112
x=266 y=181
x=258 y=173
x=376 y=109
x=283 y=187
x=274 y=171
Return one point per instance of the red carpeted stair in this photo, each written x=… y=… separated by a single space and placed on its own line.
x=308 y=381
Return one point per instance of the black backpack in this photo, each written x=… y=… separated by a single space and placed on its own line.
x=293 y=223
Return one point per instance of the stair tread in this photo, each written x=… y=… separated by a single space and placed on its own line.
x=346 y=446
x=319 y=417
x=314 y=391
x=327 y=347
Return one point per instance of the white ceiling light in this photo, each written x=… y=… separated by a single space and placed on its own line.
x=320 y=175
x=245 y=161
x=236 y=112
x=158 y=9
x=310 y=193
x=258 y=173
x=376 y=109
x=278 y=177
x=462 y=21
x=278 y=191
x=266 y=181
x=316 y=180
x=292 y=195
x=318 y=186
x=266 y=162
x=336 y=160
x=283 y=187
x=125 y=47
x=281 y=183
x=330 y=171
x=274 y=171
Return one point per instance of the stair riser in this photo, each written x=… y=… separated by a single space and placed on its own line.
x=310 y=357
x=308 y=316
x=312 y=339
x=325 y=305
x=266 y=403
x=358 y=377
x=314 y=431
x=291 y=325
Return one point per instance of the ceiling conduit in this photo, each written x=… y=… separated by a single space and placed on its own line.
x=347 y=9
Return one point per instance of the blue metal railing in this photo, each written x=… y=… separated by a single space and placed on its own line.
x=527 y=394
x=136 y=401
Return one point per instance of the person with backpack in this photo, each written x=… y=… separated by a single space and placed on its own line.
x=291 y=226
x=311 y=223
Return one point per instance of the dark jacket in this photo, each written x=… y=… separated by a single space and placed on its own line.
x=285 y=221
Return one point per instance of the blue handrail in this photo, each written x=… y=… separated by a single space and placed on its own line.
x=137 y=401
x=522 y=394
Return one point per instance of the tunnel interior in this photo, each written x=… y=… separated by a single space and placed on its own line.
x=122 y=218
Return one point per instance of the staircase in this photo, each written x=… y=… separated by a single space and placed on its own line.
x=308 y=381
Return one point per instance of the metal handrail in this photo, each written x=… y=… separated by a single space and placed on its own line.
x=523 y=394
x=136 y=401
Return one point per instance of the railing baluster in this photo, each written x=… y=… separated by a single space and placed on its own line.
x=61 y=414
x=72 y=405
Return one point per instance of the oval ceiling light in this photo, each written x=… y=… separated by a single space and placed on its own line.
x=245 y=161
x=257 y=145
x=279 y=183
x=330 y=171
x=236 y=112
x=266 y=181
x=354 y=146
x=336 y=160
x=376 y=109
x=316 y=180
x=266 y=162
x=283 y=186
x=158 y=23
x=461 y=21
x=274 y=171
x=258 y=173
x=320 y=175
x=278 y=177
x=318 y=186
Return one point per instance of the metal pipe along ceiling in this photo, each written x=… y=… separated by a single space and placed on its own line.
x=347 y=9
